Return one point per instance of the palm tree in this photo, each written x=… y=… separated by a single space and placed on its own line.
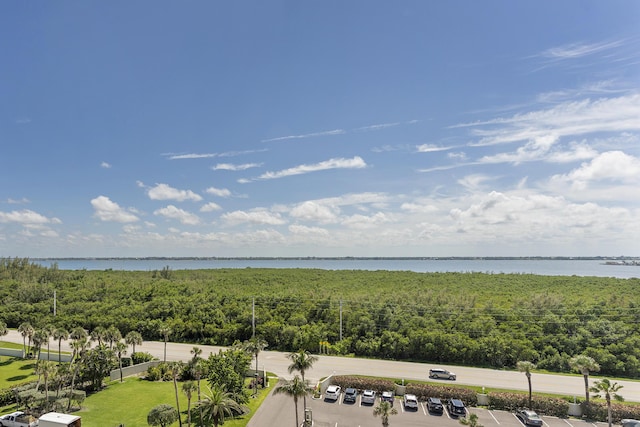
x=112 y=335
x=98 y=334
x=120 y=350
x=188 y=388
x=301 y=361
x=218 y=405
x=585 y=365
x=254 y=346
x=47 y=369
x=165 y=331
x=133 y=338
x=610 y=390
x=472 y=421
x=60 y=334
x=39 y=338
x=295 y=388
x=26 y=330
x=197 y=370
x=384 y=410
x=162 y=415
x=79 y=347
x=526 y=367
x=48 y=330
x=176 y=368
x=77 y=333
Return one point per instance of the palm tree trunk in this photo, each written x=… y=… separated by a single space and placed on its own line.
x=304 y=396
x=295 y=404
x=529 y=379
x=586 y=387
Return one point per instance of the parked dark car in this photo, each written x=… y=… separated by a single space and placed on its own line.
x=387 y=396
x=435 y=405
x=456 y=408
x=350 y=395
x=529 y=418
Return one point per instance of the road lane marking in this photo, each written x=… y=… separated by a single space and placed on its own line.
x=566 y=422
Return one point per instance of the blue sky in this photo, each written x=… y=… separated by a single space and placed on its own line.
x=319 y=128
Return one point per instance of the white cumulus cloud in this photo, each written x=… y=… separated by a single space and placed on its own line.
x=165 y=192
x=106 y=210
x=181 y=215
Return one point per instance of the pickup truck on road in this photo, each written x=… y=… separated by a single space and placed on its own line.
x=18 y=419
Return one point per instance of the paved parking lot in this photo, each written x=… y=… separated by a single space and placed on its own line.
x=279 y=410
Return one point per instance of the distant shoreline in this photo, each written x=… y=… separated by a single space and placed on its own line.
x=311 y=258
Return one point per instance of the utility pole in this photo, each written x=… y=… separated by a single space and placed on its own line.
x=340 y=320
x=253 y=316
x=54 y=303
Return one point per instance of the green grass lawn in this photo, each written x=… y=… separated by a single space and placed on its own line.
x=129 y=403
x=14 y=371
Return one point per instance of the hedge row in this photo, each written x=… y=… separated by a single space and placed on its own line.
x=598 y=411
x=543 y=405
x=423 y=391
x=363 y=383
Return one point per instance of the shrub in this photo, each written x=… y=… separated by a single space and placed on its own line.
x=140 y=357
x=598 y=411
x=424 y=391
x=153 y=373
x=6 y=397
x=544 y=405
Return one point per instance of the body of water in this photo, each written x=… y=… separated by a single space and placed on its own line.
x=547 y=267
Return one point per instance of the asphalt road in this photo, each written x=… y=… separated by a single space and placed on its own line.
x=277 y=362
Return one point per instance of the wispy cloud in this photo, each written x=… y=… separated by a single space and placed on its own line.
x=306 y=135
x=429 y=148
x=615 y=114
x=232 y=167
x=105 y=165
x=22 y=201
x=578 y=50
x=376 y=127
x=339 y=163
x=184 y=156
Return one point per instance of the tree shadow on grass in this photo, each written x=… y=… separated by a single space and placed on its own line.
x=18 y=378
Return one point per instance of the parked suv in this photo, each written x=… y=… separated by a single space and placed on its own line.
x=441 y=374
x=369 y=397
x=387 y=396
x=410 y=401
x=332 y=393
x=456 y=408
x=350 y=394
x=435 y=405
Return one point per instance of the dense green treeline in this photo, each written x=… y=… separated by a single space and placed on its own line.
x=464 y=318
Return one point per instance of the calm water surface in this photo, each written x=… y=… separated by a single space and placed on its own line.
x=541 y=267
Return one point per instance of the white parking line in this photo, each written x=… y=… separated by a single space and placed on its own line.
x=566 y=422
x=424 y=408
x=494 y=418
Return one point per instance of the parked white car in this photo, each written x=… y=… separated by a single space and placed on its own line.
x=332 y=393
x=410 y=401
